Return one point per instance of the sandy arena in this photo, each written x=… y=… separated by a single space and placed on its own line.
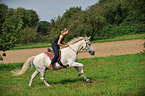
x=101 y=50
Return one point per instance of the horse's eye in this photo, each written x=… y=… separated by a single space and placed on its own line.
x=89 y=44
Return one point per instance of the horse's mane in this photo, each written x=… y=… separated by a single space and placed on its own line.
x=75 y=40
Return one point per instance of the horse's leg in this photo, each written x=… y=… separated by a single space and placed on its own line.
x=81 y=72
x=77 y=65
x=78 y=69
x=33 y=76
x=42 y=78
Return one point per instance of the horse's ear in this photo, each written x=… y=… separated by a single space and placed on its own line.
x=85 y=38
x=89 y=37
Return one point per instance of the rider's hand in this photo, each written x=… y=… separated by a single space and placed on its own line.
x=66 y=45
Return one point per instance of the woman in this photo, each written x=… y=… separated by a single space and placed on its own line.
x=56 y=46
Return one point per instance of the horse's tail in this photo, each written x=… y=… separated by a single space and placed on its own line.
x=25 y=67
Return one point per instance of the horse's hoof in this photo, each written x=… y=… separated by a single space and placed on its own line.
x=88 y=81
x=80 y=74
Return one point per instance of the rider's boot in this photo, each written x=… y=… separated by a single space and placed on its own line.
x=51 y=67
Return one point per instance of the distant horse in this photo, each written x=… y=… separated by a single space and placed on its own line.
x=68 y=57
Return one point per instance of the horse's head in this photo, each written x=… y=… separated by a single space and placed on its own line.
x=82 y=43
x=88 y=46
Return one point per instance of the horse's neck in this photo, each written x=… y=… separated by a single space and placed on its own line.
x=77 y=45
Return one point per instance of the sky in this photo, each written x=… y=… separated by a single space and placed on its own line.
x=49 y=9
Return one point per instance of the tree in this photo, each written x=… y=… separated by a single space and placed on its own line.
x=12 y=27
x=28 y=35
x=13 y=24
x=10 y=33
x=29 y=17
x=32 y=18
x=3 y=15
x=3 y=44
x=43 y=28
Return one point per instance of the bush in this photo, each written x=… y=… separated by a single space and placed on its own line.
x=143 y=52
x=110 y=31
x=106 y=32
x=27 y=35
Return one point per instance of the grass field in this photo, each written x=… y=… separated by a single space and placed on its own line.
x=122 y=38
x=44 y=44
x=111 y=76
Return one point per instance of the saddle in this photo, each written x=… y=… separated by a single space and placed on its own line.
x=50 y=54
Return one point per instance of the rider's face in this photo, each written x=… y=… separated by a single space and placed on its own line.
x=66 y=32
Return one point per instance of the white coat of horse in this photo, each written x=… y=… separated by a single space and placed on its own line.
x=68 y=57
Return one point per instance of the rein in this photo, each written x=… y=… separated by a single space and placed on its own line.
x=77 y=41
x=73 y=49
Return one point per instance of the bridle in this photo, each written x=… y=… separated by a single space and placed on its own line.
x=86 y=48
x=87 y=44
x=72 y=49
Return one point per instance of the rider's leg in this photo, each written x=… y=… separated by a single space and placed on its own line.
x=56 y=52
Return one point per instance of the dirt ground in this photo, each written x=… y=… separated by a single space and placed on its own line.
x=101 y=50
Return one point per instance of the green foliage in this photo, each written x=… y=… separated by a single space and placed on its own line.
x=143 y=52
x=43 y=28
x=105 y=19
x=14 y=26
x=29 y=17
x=115 y=11
x=4 y=43
x=3 y=14
x=9 y=31
x=110 y=31
x=27 y=35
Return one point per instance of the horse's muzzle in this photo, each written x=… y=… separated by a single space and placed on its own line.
x=92 y=52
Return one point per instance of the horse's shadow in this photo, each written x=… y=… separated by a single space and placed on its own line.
x=67 y=81
x=78 y=80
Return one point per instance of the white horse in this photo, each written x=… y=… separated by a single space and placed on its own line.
x=68 y=57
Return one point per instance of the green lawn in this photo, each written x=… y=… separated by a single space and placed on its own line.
x=122 y=38
x=46 y=44
x=111 y=76
x=30 y=46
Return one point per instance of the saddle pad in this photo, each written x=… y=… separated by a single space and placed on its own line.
x=51 y=56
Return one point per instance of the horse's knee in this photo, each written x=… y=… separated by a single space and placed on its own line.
x=82 y=65
x=42 y=76
x=42 y=79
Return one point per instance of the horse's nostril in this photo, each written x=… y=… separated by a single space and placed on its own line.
x=93 y=53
